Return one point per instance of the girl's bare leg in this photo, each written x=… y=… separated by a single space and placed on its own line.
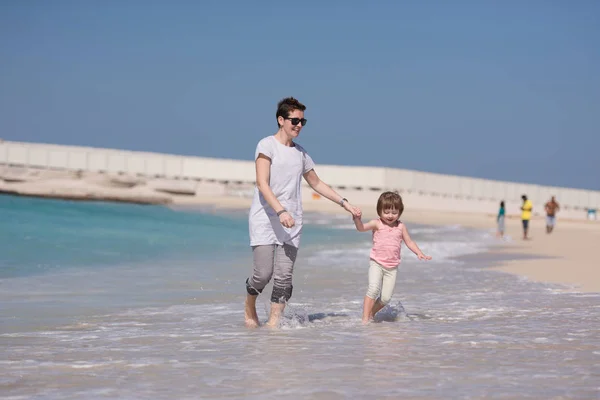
x=367 y=309
x=376 y=308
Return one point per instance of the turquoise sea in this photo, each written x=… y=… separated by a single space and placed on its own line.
x=114 y=255
x=121 y=301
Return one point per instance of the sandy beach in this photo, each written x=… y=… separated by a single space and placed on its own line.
x=564 y=256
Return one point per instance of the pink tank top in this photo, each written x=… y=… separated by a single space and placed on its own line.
x=387 y=242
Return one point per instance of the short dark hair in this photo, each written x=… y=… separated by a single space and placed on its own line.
x=389 y=200
x=286 y=106
x=502 y=203
x=524 y=197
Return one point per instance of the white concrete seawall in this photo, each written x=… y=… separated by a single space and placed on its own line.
x=362 y=185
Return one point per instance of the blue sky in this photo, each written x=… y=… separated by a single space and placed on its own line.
x=506 y=90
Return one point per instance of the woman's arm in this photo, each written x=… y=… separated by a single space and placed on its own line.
x=326 y=191
x=412 y=245
x=263 y=174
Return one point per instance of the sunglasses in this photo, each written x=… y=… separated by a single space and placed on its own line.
x=296 y=121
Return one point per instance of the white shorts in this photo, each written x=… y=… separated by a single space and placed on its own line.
x=382 y=282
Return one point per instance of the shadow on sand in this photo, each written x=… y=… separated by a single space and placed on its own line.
x=320 y=316
x=395 y=313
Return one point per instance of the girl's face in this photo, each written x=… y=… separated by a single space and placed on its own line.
x=390 y=216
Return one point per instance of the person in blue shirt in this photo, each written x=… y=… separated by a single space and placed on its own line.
x=500 y=220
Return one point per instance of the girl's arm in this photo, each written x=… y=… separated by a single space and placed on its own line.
x=412 y=245
x=326 y=191
x=369 y=226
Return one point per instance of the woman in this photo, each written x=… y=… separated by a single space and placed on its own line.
x=275 y=219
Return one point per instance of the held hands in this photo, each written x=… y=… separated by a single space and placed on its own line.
x=355 y=211
x=287 y=220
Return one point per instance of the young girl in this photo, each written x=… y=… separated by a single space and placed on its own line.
x=388 y=234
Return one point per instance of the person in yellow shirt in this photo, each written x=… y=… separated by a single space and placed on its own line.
x=526 y=215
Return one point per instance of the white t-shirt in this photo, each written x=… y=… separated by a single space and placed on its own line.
x=288 y=165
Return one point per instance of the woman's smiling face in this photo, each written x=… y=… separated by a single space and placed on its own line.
x=292 y=131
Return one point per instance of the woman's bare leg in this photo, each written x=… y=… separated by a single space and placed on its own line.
x=250 y=315
x=275 y=314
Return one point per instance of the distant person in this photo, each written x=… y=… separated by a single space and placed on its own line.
x=551 y=207
x=526 y=209
x=500 y=219
x=388 y=234
x=275 y=220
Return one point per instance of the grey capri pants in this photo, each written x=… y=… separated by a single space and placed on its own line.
x=274 y=261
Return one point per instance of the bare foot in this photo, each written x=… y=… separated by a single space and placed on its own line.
x=272 y=324
x=273 y=321
x=251 y=323
x=275 y=315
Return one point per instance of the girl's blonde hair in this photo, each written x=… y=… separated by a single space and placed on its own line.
x=390 y=200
